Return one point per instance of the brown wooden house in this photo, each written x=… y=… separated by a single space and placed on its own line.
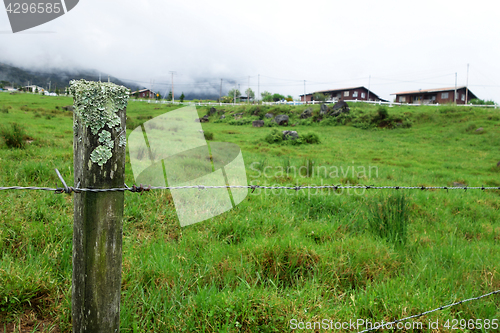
x=354 y=93
x=435 y=96
x=144 y=93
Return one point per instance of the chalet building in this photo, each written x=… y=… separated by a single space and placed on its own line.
x=348 y=94
x=144 y=93
x=435 y=96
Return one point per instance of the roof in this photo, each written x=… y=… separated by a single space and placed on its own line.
x=343 y=89
x=428 y=90
x=139 y=91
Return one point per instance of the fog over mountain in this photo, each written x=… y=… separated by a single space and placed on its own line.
x=58 y=78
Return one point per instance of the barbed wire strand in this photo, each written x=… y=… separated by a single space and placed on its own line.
x=141 y=188
x=69 y=189
x=389 y=324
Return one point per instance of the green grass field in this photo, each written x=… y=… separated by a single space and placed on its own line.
x=280 y=257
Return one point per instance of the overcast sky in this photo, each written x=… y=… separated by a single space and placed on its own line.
x=401 y=45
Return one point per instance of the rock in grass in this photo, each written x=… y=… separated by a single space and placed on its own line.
x=258 y=123
x=324 y=109
x=290 y=135
x=457 y=184
x=223 y=116
x=480 y=129
x=281 y=119
x=238 y=116
x=212 y=110
x=204 y=119
x=269 y=115
x=306 y=114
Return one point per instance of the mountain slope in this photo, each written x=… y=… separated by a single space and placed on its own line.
x=11 y=75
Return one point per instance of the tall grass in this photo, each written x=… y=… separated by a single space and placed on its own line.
x=14 y=137
x=388 y=219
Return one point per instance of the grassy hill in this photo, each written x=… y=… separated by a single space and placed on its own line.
x=280 y=257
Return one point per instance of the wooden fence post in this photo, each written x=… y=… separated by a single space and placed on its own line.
x=99 y=163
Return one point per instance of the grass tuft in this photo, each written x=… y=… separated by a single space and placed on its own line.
x=14 y=137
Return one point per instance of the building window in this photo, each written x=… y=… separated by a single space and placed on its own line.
x=355 y=94
x=346 y=93
x=362 y=95
x=444 y=95
x=402 y=99
x=463 y=97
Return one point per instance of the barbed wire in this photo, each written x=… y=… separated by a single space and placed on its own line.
x=139 y=189
x=388 y=325
x=143 y=188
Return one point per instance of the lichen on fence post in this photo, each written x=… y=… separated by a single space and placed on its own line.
x=99 y=162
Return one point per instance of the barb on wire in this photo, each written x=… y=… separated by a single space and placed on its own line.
x=388 y=325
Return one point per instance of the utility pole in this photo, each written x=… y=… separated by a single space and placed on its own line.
x=248 y=93
x=108 y=79
x=220 y=92
x=239 y=90
x=173 y=98
x=369 y=81
x=305 y=100
x=467 y=86
x=99 y=76
x=234 y=99
x=258 y=88
x=455 y=89
x=49 y=85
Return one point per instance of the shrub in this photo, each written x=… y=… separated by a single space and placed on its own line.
x=471 y=128
x=14 y=137
x=240 y=122
x=310 y=138
x=208 y=135
x=382 y=113
x=5 y=109
x=476 y=101
x=274 y=137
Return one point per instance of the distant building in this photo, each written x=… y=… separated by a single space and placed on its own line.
x=435 y=96
x=353 y=93
x=144 y=93
x=9 y=88
x=33 y=88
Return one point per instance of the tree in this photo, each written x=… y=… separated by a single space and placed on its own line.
x=136 y=94
x=57 y=91
x=250 y=93
x=182 y=97
x=227 y=99
x=169 y=98
x=234 y=93
x=266 y=96
x=36 y=90
x=277 y=97
x=320 y=97
x=289 y=98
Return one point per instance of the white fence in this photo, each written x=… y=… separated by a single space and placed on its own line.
x=390 y=104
